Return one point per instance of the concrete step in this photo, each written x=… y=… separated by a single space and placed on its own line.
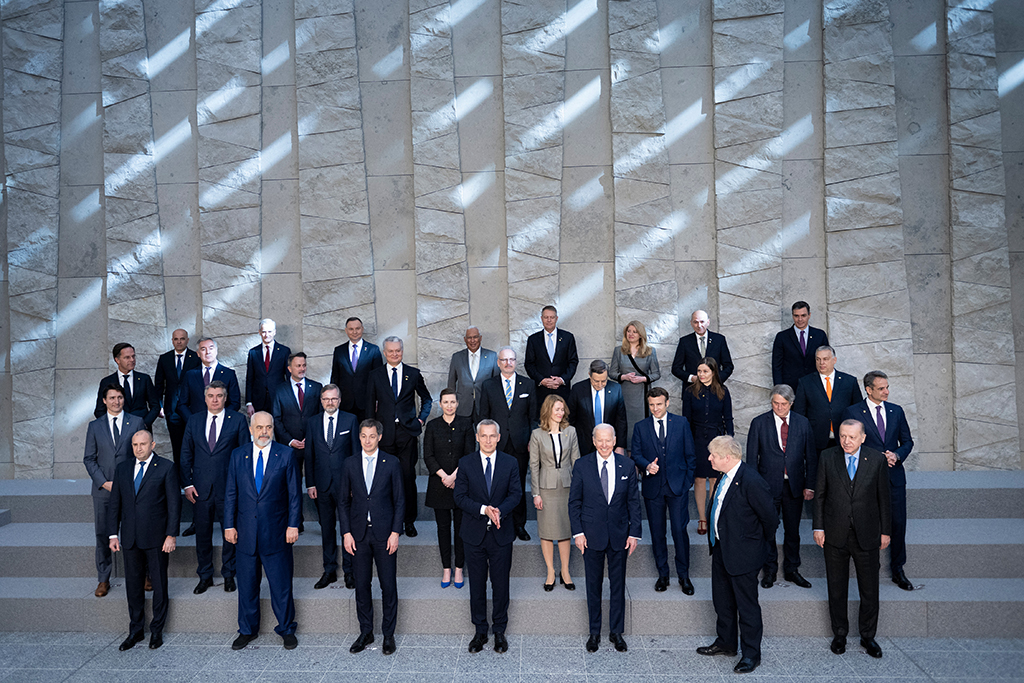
x=5 y=517
x=940 y=608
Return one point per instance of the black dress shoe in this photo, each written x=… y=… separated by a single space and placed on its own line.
x=500 y=643
x=796 y=578
x=618 y=642
x=522 y=534
x=871 y=647
x=190 y=531
x=389 y=645
x=568 y=585
x=548 y=587
x=229 y=584
x=593 y=642
x=838 y=645
x=362 y=641
x=746 y=665
x=768 y=581
x=901 y=580
x=130 y=641
x=202 y=586
x=685 y=584
x=350 y=580
x=715 y=649
x=242 y=640
x=478 y=642
x=410 y=530
x=290 y=641
x=661 y=585
x=326 y=580
x=155 y=641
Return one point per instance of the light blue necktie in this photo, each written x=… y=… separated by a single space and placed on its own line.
x=138 y=478
x=598 y=414
x=851 y=466
x=259 y=472
x=551 y=346
x=719 y=495
x=369 y=473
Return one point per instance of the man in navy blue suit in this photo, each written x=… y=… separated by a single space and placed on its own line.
x=350 y=370
x=487 y=490
x=295 y=401
x=170 y=369
x=192 y=392
x=371 y=514
x=140 y=396
x=663 y=449
x=261 y=517
x=331 y=437
x=266 y=369
x=887 y=431
x=794 y=347
x=604 y=514
x=741 y=525
x=210 y=438
x=698 y=345
x=823 y=397
x=593 y=394
x=551 y=357
x=780 y=444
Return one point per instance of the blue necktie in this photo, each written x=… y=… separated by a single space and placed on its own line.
x=598 y=414
x=851 y=466
x=330 y=432
x=714 y=505
x=259 y=472
x=138 y=478
x=394 y=381
x=487 y=475
x=177 y=365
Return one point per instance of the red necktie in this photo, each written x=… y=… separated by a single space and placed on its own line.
x=302 y=396
x=785 y=432
x=266 y=360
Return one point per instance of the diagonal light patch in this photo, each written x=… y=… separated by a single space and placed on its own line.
x=563 y=114
x=389 y=63
x=582 y=293
x=675 y=129
x=470 y=189
x=275 y=58
x=1011 y=79
x=926 y=39
x=668 y=34
x=586 y=194
x=562 y=26
x=775 y=148
x=246 y=171
x=798 y=37
x=165 y=56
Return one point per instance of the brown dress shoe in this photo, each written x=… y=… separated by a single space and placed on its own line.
x=102 y=589
x=149 y=584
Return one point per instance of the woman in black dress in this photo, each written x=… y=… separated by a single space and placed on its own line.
x=445 y=440
x=707 y=406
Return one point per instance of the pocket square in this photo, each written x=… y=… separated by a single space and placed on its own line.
x=524 y=396
x=344 y=432
x=625 y=477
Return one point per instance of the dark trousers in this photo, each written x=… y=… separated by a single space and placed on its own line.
x=206 y=513
x=279 y=568
x=445 y=518
x=104 y=559
x=898 y=539
x=404 y=447
x=327 y=508
x=523 y=459
x=137 y=563
x=739 y=614
x=489 y=556
x=789 y=508
x=593 y=564
x=678 y=510
x=176 y=430
x=837 y=571
x=368 y=553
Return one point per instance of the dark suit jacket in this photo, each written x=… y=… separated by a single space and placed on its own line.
x=800 y=461
x=897 y=435
x=261 y=518
x=202 y=469
x=864 y=503
x=467 y=390
x=354 y=385
x=539 y=366
x=471 y=493
x=147 y=518
x=789 y=365
x=746 y=522
x=382 y=404
x=166 y=380
x=581 y=413
x=289 y=421
x=676 y=466
x=323 y=464
x=812 y=402
x=515 y=423
x=145 y=402
x=606 y=525
x=260 y=384
x=688 y=356
x=192 y=391
x=384 y=502
x=102 y=455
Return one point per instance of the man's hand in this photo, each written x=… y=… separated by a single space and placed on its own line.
x=249 y=410
x=312 y=492
x=190 y=493
x=231 y=535
x=393 y=543
x=548 y=383
x=162 y=413
x=294 y=443
x=819 y=538
x=538 y=502
x=581 y=542
x=495 y=516
x=107 y=486
x=291 y=534
x=630 y=544
x=170 y=543
x=892 y=458
x=808 y=494
x=349 y=543
x=690 y=379
x=114 y=545
x=653 y=468
x=421 y=422
x=885 y=541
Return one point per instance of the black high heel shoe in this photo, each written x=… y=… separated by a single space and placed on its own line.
x=568 y=586
x=548 y=587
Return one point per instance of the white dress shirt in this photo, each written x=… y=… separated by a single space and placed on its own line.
x=778 y=427
x=611 y=474
x=219 y=425
x=722 y=492
x=131 y=380
x=120 y=423
x=367 y=458
x=598 y=419
x=327 y=417
x=295 y=389
x=357 y=348
x=255 y=457
x=874 y=414
x=483 y=466
x=390 y=368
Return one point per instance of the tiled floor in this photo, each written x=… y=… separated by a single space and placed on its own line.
x=324 y=658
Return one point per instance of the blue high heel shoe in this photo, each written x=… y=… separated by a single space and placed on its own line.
x=460 y=584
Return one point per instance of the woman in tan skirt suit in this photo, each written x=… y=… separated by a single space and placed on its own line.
x=553 y=452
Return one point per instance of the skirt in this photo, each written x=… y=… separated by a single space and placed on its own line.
x=553 y=520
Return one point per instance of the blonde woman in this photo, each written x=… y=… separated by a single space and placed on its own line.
x=634 y=366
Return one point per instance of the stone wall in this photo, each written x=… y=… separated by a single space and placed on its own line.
x=431 y=164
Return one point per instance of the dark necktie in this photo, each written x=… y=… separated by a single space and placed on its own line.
x=206 y=378
x=487 y=475
x=880 y=423
x=259 y=472
x=127 y=391
x=302 y=396
x=138 y=478
x=266 y=359
x=177 y=365
x=784 y=431
x=330 y=432
x=212 y=438
x=394 y=382
x=661 y=432
x=803 y=343
x=604 y=480
x=117 y=432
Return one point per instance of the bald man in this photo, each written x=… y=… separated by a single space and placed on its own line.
x=698 y=345
x=170 y=369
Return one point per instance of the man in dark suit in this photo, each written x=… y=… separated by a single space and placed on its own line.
x=295 y=401
x=332 y=437
x=486 y=490
x=467 y=372
x=170 y=369
x=108 y=442
x=551 y=357
x=210 y=438
x=824 y=396
x=604 y=514
x=261 y=517
x=851 y=520
x=663 y=450
x=140 y=396
x=886 y=429
x=780 y=444
x=701 y=344
x=510 y=400
x=594 y=394
x=741 y=525
x=350 y=371
x=793 y=351
x=145 y=504
x=392 y=402
x=266 y=369
x=192 y=392
x=371 y=514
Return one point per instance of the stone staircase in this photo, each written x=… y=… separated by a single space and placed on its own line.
x=965 y=554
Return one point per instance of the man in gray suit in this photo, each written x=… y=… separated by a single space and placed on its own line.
x=467 y=372
x=108 y=443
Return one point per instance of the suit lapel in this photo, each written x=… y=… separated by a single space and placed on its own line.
x=890 y=426
x=150 y=473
